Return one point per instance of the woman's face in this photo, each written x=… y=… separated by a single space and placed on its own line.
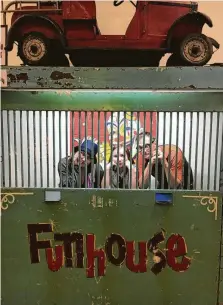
x=122 y=155
x=84 y=158
x=147 y=148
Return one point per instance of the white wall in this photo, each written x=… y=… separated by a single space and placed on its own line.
x=192 y=139
x=19 y=151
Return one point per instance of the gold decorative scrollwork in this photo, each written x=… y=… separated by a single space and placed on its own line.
x=9 y=198
x=210 y=201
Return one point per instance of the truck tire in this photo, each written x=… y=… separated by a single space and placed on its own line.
x=57 y=57
x=59 y=60
x=175 y=61
x=34 y=49
x=196 y=50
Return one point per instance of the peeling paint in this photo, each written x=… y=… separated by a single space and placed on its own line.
x=67 y=92
x=100 y=300
x=23 y=77
x=55 y=75
x=186 y=78
x=99 y=202
x=3 y=78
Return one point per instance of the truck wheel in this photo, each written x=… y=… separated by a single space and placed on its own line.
x=59 y=61
x=175 y=61
x=56 y=54
x=154 y=59
x=196 y=49
x=33 y=49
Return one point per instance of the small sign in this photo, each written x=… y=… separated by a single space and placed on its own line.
x=3 y=78
x=2 y=47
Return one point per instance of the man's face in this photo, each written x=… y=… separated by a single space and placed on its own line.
x=147 y=155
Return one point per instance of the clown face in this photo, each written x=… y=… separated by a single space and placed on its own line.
x=120 y=127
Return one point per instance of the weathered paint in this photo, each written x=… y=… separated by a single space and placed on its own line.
x=112 y=101
x=105 y=212
x=178 y=78
x=123 y=253
x=102 y=213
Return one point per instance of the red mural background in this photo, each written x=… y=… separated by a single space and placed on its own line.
x=100 y=126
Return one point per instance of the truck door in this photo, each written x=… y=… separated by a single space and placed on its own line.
x=138 y=25
x=79 y=20
x=79 y=10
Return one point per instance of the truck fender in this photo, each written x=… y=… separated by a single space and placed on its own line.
x=197 y=17
x=214 y=42
x=11 y=36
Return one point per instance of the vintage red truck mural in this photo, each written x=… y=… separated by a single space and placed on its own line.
x=174 y=255
x=71 y=27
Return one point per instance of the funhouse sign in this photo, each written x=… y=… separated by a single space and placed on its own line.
x=93 y=259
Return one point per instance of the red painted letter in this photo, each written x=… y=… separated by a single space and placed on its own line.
x=55 y=264
x=93 y=253
x=159 y=257
x=35 y=244
x=68 y=240
x=119 y=240
x=176 y=247
x=130 y=257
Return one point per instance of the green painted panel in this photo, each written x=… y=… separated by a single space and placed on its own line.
x=167 y=78
x=112 y=101
x=220 y=290
x=196 y=216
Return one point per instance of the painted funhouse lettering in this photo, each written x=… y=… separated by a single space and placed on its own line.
x=173 y=255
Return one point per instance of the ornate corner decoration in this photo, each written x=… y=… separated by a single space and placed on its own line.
x=209 y=201
x=9 y=198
